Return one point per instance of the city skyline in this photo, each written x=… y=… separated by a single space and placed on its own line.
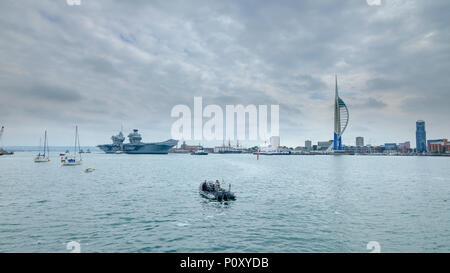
x=103 y=66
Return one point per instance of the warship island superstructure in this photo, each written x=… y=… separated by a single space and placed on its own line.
x=136 y=146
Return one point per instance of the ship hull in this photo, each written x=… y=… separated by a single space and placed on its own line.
x=141 y=148
x=109 y=148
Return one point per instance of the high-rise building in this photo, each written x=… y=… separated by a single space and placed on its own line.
x=421 y=137
x=359 y=141
x=308 y=145
x=275 y=141
x=340 y=120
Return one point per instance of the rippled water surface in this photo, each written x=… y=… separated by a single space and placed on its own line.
x=150 y=203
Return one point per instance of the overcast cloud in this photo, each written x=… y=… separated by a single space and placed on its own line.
x=109 y=63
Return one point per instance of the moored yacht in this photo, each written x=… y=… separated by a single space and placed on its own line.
x=73 y=160
x=44 y=157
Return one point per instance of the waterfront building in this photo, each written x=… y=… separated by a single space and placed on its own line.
x=184 y=148
x=360 y=141
x=308 y=145
x=341 y=118
x=191 y=148
x=228 y=149
x=421 y=137
x=275 y=141
x=271 y=147
x=404 y=147
x=438 y=146
x=324 y=145
x=377 y=149
x=390 y=148
x=357 y=149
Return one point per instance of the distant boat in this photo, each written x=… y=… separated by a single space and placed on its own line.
x=88 y=151
x=89 y=170
x=200 y=152
x=73 y=160
x=273 y=153
x=44 y=157
x=4 y=152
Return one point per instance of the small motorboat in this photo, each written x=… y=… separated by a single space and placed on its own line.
x=89 y=170
x=4 y=152
x=214 y=191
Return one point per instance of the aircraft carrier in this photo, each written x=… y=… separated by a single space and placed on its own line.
x=136 y=146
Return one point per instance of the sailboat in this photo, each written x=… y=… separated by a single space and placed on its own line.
x=44 y=157
x=73 y=160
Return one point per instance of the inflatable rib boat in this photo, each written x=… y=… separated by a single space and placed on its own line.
x=213 y=191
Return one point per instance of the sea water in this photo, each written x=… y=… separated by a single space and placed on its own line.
x=151 y=203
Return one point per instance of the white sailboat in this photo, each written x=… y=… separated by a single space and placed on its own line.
x=73 y=160
x=44 y=157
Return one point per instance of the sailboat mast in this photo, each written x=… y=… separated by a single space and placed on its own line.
x=75 y=147
x=45 y=142
x=48 y=148
x=79 y=147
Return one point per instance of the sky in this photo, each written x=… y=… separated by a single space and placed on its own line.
x=104 y=64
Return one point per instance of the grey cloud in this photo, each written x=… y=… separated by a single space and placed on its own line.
x=101 y=65
x=317 y=96
x=380 y=84
x=307 y=83
x=131 y=62
x=371 y=103
x=429 y=105
x=52 y=93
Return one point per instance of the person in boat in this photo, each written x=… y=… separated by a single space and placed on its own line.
x=217 y=184
x=205 y=186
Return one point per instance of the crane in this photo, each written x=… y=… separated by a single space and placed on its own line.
x=1 y=132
